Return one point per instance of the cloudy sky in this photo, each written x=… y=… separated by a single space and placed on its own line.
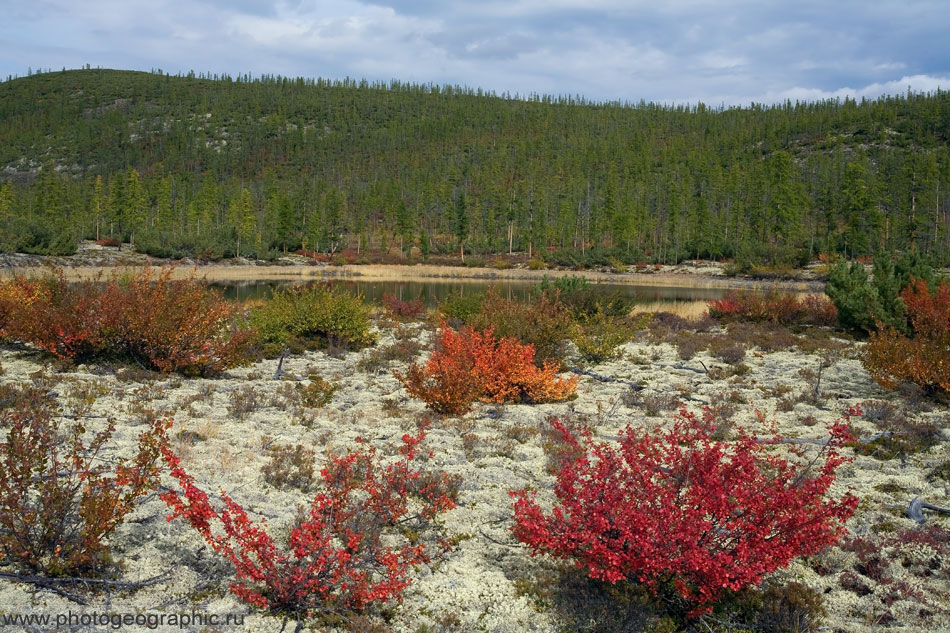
x=670 y=51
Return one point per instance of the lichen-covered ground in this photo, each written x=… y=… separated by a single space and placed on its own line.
x=225 y=427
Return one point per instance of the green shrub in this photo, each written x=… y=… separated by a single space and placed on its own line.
x=599 y=338
x=862 y=303
x=462 y=307
x=312 y=317
x=584 y=299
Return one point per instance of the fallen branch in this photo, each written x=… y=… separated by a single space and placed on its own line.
x=58 y=585
x=916 y=510
x=602 y=378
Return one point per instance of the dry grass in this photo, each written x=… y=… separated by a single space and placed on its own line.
x=689 y=310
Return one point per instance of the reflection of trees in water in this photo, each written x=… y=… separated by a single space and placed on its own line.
x=432 y=292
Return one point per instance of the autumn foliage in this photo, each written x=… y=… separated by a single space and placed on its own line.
x=922 y=358
x=356 y=545
x=164 y=324
x=59 y=501
x=679 y=509
x=774 y=307
x=469 y=365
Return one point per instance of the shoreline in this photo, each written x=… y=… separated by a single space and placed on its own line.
x=682 y=276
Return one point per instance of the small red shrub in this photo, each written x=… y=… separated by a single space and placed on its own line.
x=468 y=365
x=174 y=325
x=352 y=549
x=774 y=307
x=58 y=501
x=677 y=507
x=110 y=242
x=923 y=358
x=399 y=309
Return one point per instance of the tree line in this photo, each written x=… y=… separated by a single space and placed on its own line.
x=223 y=166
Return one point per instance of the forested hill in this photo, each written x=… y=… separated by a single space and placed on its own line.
x=215 y=167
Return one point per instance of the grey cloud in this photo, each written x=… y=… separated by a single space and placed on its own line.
x=728 y=51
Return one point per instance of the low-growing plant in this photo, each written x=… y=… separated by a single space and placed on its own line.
x=355 y=547
x=922 y=358
x=677 y=508
x=289 y=466
x=468 y=365
x=403 y=310
x=544 y=324
x=731 y=354
x=863 y=303
x=905 y=566
x=377 y=358
x=162 y=324
x=312 y=317
x=599 y=337
x=459 y=308
x=776 y=607
x=59 y=500
x=774 y=307
x=585 y=300
x=243 y=401
x=315 y=394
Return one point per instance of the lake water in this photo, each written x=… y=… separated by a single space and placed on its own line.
x=434 y=291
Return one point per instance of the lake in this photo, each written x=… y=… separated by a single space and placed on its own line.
x=433 y=291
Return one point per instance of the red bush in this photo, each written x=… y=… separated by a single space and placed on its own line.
x=168 y=325
x=399 y=309
x=923 y=358
x=468 y=365
x=174 y=325
x=58 y=501
x=343 y=555
x=677 y=507
x=774 y=307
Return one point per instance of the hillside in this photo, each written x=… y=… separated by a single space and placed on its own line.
x=218 y=167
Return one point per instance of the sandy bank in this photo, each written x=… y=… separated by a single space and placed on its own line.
x=671 y=276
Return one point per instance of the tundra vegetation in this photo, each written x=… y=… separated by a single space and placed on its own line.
x=489 y=464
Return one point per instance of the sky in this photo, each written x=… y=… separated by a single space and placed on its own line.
x=719 y=52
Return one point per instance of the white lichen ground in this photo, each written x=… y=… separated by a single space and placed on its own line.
x=477 y=582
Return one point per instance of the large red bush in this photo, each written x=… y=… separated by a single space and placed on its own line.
x=924 y=357
x=363 y=533
x=469 y=365
x=677 y=507
x=164 y=324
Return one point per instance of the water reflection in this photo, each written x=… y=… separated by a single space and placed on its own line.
x=434 y=291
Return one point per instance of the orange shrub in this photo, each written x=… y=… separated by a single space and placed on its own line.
x=924 y=358
x=170 y=326
x=174 y=325
x=469 y=365
x=545 y=323
x=62 y=318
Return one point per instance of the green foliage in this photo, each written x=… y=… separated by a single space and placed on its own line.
x=123 y=154
x=462 y=307
x=312 y=316
x=599 y=338
x=863 y=302
x=568 y=283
